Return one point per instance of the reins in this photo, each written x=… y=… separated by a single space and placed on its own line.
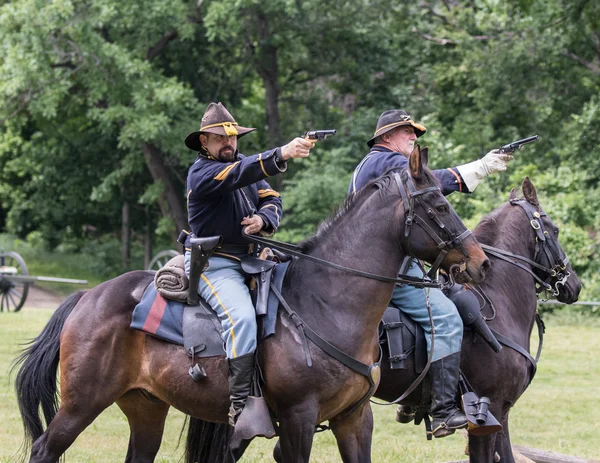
x=558 y=264
x=409 y=195
x=295 y=251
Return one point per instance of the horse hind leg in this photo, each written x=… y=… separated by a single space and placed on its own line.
x=70 y=421
x=80 y=406
x=354 y=435
x=146 y=416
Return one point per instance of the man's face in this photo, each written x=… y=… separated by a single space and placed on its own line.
x=402 y=139
x=220 y=147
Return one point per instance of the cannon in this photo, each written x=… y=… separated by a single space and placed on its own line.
x=15 y=281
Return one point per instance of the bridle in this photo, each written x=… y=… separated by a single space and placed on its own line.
x=549 y=260
x=411 y=197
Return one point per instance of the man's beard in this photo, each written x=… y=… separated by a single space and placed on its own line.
x=227 y=154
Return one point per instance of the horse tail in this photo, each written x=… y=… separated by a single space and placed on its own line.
x=207 y=442
x=36 y=383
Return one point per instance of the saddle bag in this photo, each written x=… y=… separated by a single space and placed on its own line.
x=262 y=271
x=202 y=249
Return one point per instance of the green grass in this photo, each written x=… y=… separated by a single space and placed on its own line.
x=560 y=412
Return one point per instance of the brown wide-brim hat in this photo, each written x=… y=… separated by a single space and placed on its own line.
x=393 y=118
x=216 y=120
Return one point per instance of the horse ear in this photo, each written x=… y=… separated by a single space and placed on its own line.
x=425 y=157
x=414 y=162
x=529 y=192
x=513 y=194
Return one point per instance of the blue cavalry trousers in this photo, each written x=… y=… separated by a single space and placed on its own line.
x=446 y=319
x=222 y=285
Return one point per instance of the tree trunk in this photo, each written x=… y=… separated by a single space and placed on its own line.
x=125 y=236
x=171 y=200
x=268 y=70
x=148 y=239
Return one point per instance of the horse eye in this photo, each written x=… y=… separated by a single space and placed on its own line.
x=442 y=209
x=556 y=231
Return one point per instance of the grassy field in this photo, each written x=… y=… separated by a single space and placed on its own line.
x=560 y=412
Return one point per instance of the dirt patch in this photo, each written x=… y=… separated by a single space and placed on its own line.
x=42 y=298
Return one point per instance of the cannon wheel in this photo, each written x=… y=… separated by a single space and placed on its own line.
x=12 y=294
x=160 y=259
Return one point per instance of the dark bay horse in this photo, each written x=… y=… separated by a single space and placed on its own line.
x=511 y=311
x=103 y=361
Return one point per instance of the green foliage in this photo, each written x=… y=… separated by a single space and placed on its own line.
x=314 y=193
x=85 y=87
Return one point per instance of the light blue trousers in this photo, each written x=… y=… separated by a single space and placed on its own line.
x=222 y=285
x=446 y=319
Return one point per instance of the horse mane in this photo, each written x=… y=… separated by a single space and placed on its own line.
x=497 y=228
x=380 y=184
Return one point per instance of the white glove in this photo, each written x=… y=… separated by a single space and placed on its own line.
x=474 y=172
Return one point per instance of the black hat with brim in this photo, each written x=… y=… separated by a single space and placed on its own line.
x=219 y=121
x=391 y=119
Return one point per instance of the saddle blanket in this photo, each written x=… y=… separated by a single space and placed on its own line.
x=158 y=316
x=164 y=318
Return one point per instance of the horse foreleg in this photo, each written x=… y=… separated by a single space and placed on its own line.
x=146 y=416
x=277 y=452
x=354 y=435
x=502 y=445
x=481 y=449
x=297 y=430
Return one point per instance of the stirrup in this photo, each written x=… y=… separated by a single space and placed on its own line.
x=253 y=420
x=405 y=414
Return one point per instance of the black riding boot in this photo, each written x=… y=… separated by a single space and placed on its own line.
x=446 y=416
x=240 y=382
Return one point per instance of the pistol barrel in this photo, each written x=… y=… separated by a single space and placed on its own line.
x=319 y=134
x=515 y=145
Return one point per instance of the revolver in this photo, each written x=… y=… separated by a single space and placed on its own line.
x=515 y=145
x=315 y=135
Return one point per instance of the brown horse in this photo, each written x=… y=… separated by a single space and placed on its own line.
x=102 y=360
x=509 y=295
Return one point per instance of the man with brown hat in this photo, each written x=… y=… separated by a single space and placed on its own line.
x=391 y=146
x=226 y=194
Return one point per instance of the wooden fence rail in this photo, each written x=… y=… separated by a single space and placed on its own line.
x=527 y=454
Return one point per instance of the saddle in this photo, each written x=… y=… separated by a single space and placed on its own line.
x=406 y=346
x=162 y=312
x=182 y=317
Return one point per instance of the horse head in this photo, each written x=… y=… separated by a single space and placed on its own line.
x=442 y=239
x=556 y=276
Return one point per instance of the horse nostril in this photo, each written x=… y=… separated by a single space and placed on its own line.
x=485 y=266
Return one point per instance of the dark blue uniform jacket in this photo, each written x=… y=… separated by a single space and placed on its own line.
x=381 y=159
x=221 y=194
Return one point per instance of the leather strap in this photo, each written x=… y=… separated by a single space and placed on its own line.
x=293 y=251
x=328 y=348
x=345 y=359
x=513 y=345
x=233 y=248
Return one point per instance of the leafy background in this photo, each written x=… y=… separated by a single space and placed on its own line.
x=97 y=98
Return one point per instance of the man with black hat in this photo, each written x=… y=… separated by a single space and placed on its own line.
x=226 y=194
x=391 y=146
